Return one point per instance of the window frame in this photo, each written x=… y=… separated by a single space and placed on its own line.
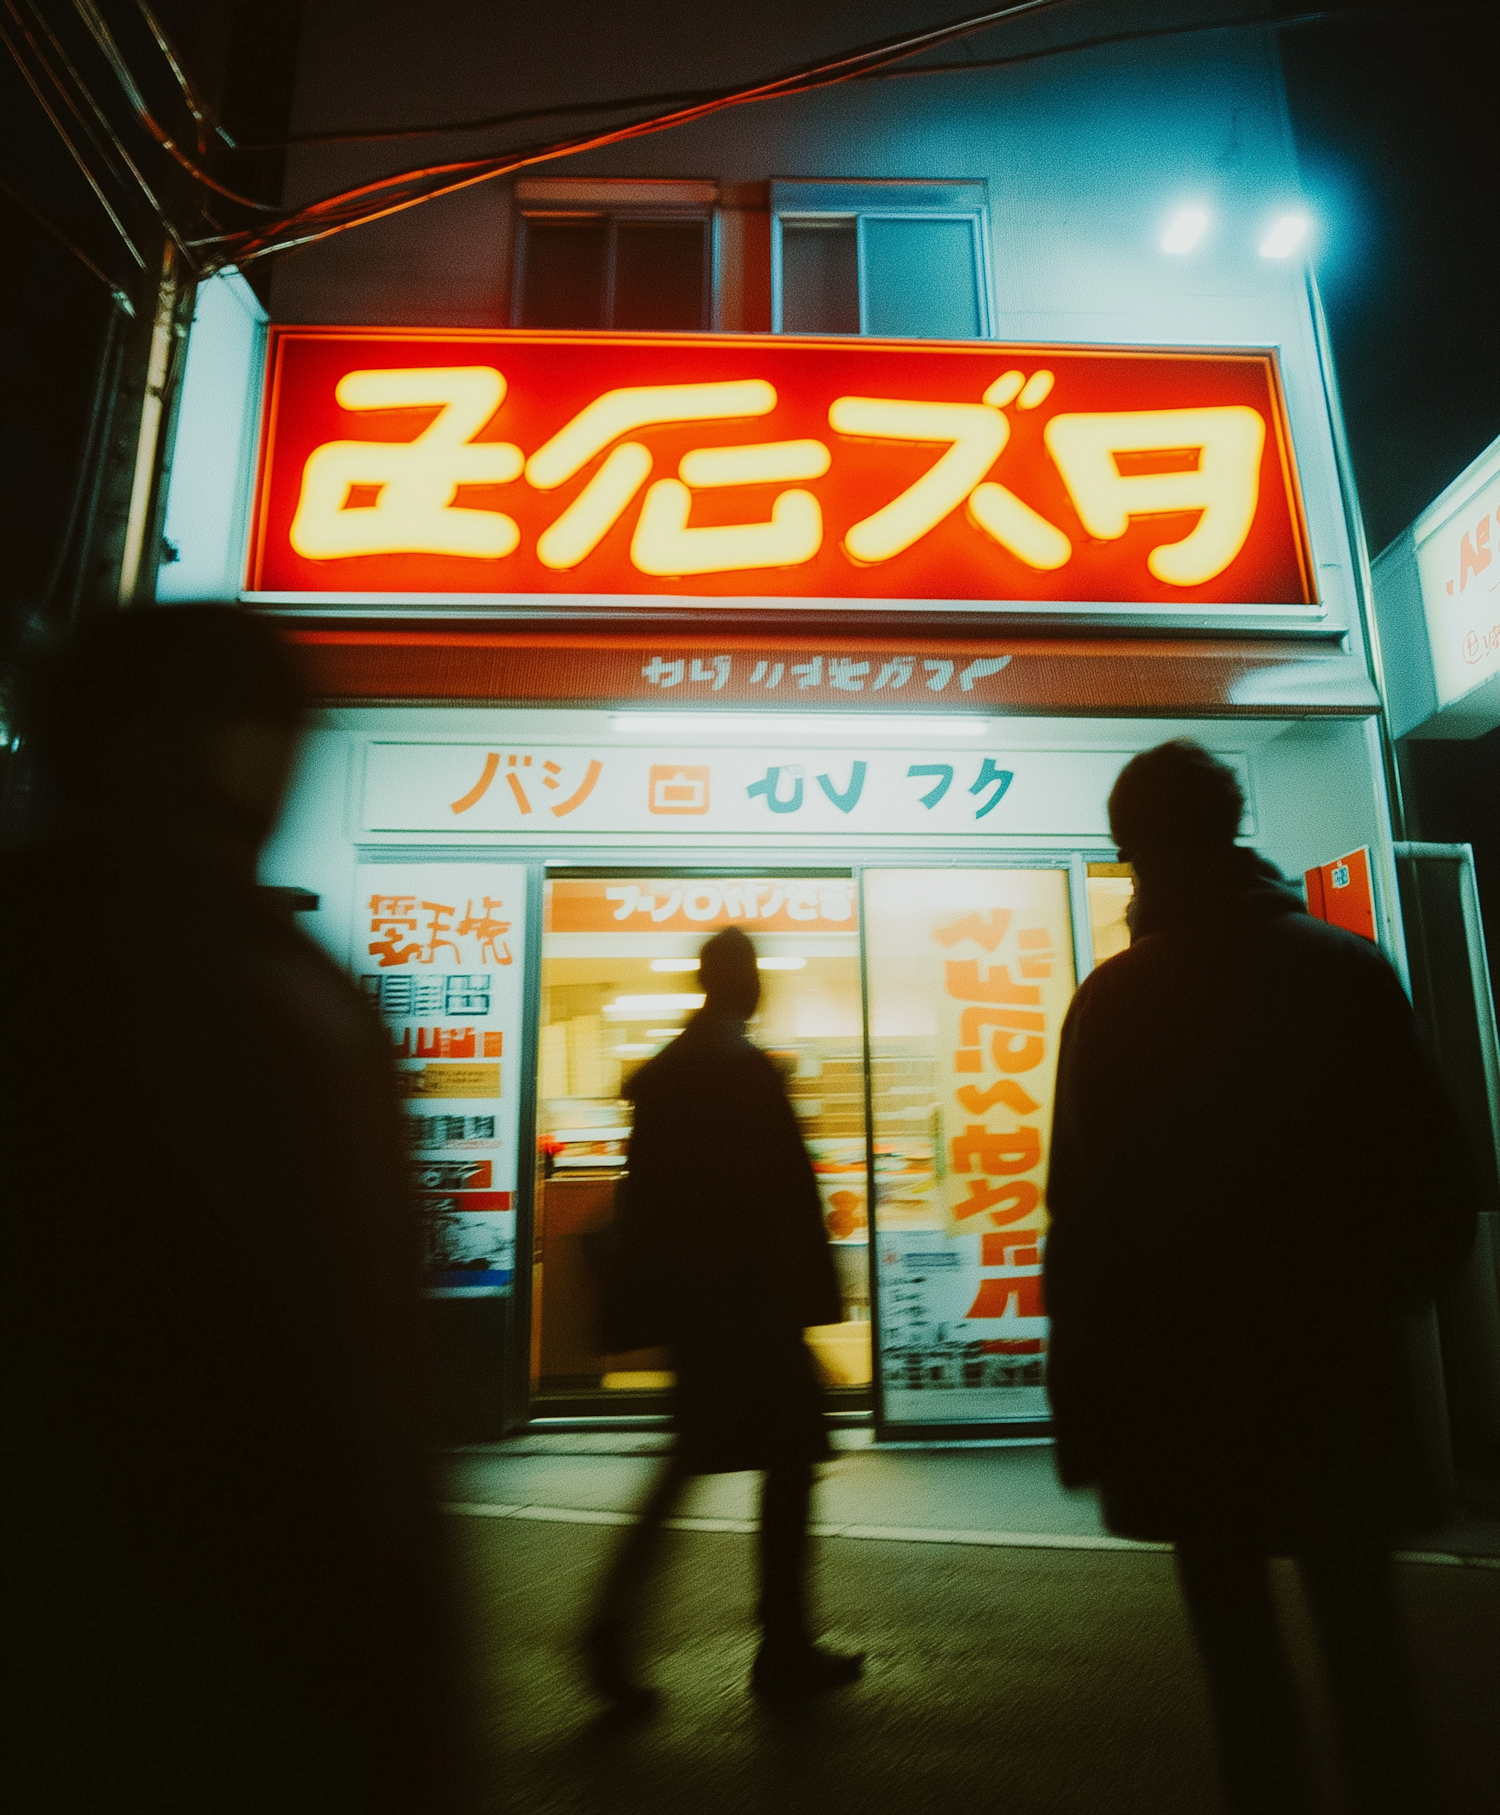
x=595 y=201
x=797 y=201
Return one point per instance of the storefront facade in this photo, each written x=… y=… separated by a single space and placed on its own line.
x=830 y=611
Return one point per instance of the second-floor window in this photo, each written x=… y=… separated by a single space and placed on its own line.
x=900 y=259
x=623 y=255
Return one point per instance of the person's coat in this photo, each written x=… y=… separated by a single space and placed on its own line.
x=1256 y=1181
x=719 y=1248
x=225 y=1592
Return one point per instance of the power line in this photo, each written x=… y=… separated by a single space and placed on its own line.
x=73 y=151
x=392 y=194
x=203 y=117
x=1356 y=10
x=99 y=31
x=111 y=147
x=336 y=213
x=622 y=103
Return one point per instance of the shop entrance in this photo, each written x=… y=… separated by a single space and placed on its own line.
x=915 y=1014
x=619 y=953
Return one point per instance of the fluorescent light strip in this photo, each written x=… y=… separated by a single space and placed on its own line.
x=640 y=1007
x=784 y=724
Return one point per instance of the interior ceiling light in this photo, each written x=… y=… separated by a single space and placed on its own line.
x=638 y=1008
x=1186 y=227
x=634 y=1049
x=662 y=1033
x=851 y=724
x=674 y=964
x=782 y=964
x=1285 y=236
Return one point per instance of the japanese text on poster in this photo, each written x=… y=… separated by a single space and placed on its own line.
x=439 y=950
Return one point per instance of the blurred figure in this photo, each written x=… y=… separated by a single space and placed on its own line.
x=223 y=1587
x=720 y=1253
x=1256 y=1181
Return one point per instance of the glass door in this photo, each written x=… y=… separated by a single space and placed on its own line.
x=969 y=975
x=619 y=953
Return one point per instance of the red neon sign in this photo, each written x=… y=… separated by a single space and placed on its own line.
x=720 y=466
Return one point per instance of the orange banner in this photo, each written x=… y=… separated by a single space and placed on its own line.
x=682 y=905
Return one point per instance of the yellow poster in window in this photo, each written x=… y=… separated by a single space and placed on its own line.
x=454 y=1081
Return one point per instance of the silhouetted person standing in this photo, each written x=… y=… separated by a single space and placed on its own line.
x=1255 y=1183
x=223 y=1590
x=720 y=1252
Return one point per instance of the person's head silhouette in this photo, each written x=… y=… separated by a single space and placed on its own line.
x=1174 y=801
x=170 y=724
x=729 y=975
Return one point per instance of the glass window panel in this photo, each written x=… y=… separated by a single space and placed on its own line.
x=614 y=992
x=920 y=278
x=819 y=277
x=659 y=274
x=562 y=277
x=1111 y=889
x=970 y=973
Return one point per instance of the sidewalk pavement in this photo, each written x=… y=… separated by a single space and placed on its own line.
x=1018 y=1658
x=984 y=1493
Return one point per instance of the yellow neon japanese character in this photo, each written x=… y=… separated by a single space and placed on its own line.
x=1224 y=484
x=596 y=509
x=977 y=433
x=413 y=482
x=663 y=543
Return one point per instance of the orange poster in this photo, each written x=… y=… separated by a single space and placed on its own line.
x=1007 y=979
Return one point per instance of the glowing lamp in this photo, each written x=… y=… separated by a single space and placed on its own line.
x=1285 y=236
x=1186 y=227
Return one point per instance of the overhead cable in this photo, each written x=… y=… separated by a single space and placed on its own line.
x=111 y=147
x=373 y=201
x=73 y=151
x=203 y=117
x=355 y=135
x=99 y=31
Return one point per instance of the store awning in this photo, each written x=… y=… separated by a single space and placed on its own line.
x=1078 y=676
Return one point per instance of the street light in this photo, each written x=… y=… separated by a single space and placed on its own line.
x=1286 y=234
x=1186 y=227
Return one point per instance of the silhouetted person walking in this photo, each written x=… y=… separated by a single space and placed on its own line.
x=1255 y=1183
x=223 y=1590
x=720 y=1252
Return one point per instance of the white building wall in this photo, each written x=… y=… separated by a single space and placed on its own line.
x=1084 y=156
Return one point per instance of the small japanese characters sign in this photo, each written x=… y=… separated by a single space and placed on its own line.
x=688 y=905
x=554 y=790
x=524 y=464
x=439 y=951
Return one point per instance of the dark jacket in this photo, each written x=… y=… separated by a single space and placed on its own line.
x=223 y=1576
x=720 y=1250
x=1256 y=1181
